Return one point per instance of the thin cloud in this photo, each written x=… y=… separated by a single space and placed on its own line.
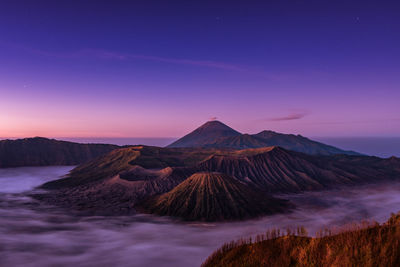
x=111 y=55
x=290 y=117
x=104 y=54
x=375 y=121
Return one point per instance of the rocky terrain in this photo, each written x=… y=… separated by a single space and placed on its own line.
x=115 y=183
x=275 y=169
x=213 y=196
x=204 y=182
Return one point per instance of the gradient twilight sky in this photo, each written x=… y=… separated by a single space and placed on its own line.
x=148 y=68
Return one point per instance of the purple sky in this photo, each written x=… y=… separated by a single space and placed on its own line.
x=139 y=68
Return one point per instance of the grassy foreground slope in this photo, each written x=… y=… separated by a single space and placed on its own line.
x=375 y=245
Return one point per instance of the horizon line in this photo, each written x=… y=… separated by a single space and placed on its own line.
x=168 y=137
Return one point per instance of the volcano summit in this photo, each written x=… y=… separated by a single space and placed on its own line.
x=215 y=134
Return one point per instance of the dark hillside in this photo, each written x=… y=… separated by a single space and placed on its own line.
x=41 y=151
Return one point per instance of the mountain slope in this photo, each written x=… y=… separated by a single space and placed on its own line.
x=299 y=143
x=124 y=159
x=208 y=132
x=242 y=141
x=213 y=197
x=376 y=245
x=275 y=169
x=215 y=134
x=117 y=194
x=40 y=151
x=114 y=183
x=269 y=138
x=117 y=181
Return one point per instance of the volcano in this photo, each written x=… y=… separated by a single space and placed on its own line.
x=118 y=181
x=215 y=134
x=213 y=196
x=207 y=133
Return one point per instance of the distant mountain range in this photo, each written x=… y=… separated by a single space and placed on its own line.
x=215 y=134
x=39 y=151
x=203 y=176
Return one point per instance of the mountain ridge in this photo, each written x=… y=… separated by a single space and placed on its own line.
x=266 y=138
x=40 y=151
x=276 y=169
x=116 y=182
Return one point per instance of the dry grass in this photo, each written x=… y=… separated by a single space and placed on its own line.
x=365 y=244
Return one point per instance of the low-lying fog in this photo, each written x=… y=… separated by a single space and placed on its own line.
x=33 y=236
